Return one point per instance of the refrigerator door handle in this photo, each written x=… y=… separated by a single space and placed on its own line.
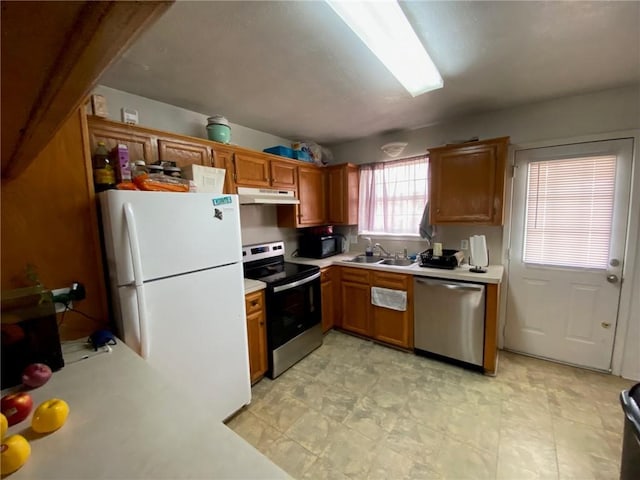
x=134 y=244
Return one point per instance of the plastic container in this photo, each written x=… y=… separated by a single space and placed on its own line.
x=280 y=150
x=104 y=176
x=173 y=172
x=302 y=155
x=218 y=129
x=155 y=169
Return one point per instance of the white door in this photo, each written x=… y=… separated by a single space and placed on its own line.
x=197 y=334
x=570 y=208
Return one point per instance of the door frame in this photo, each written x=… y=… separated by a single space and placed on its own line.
x=626 y=322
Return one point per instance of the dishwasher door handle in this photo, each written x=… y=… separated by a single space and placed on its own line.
x=452 y=286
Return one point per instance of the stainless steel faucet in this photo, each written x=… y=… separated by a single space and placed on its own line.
x=377 y=245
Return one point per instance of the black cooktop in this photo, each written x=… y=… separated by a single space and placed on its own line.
x=278 y=272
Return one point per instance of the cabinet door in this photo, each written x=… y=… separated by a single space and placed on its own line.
x=141 y=144
x=251 y=170
x=392 y=326
x=342 y=194
x=284 y=175
x=223 y=158
x=256 y=335
x=356 y=303
x=184 y=153
x=311 y=210
x=328 y=304
x=467 y=183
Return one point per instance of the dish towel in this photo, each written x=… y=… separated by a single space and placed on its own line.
x=387 y=298
x=426 y=230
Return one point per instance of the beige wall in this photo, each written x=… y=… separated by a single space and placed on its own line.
x=162 y=116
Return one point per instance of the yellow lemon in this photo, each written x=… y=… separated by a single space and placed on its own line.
x=50 y=415
x=4 y=425
x=15 y=451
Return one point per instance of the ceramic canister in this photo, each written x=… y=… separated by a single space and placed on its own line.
x=218 y=129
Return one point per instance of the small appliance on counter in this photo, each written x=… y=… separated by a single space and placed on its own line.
x=320 y=243
x=449 y=259
x=479 y=255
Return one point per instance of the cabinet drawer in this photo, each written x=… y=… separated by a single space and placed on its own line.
x=254 y=302
x=396 y=281
x=326 y=274
x=356 y=275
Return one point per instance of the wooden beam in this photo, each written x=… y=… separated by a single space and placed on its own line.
x=99 y=34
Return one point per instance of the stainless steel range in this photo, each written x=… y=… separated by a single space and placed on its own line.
x=293 y=304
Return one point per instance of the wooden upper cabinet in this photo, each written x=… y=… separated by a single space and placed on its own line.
x=223 y=158
x=284 y=175
x=311 y=210
x=184 y=152
x=251 y=169
x=342 y=194
x=141 y=144
x=467 y=182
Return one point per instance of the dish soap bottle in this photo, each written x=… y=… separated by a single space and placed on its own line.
x=369 y=250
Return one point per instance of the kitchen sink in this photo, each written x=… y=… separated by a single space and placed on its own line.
x=398 y=262
x=366 y=259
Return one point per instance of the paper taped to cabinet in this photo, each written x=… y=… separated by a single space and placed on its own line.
x=387 y=298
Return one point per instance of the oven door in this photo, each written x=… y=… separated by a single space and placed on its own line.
x=292 y=308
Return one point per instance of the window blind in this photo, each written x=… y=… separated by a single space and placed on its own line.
x=569 y=210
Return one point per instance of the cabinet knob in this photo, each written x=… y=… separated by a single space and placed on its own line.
x=254 y=303
x=261 y=323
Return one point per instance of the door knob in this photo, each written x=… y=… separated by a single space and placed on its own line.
x=612 y=278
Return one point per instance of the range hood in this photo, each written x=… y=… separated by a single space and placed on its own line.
x=266 y=196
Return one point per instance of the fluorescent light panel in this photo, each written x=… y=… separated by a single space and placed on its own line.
x=384 y=28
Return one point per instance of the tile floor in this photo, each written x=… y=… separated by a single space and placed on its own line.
x=354 y=410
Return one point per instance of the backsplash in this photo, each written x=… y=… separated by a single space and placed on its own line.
x=259 y=224
x=450 y=237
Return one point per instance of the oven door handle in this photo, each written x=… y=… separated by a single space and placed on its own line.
x=281 y=288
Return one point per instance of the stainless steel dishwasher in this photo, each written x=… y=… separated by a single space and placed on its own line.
x=449 y=319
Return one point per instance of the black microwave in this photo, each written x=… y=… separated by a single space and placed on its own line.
x=320 y=246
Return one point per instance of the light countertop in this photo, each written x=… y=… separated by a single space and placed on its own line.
x=494 y=273
x=251 y=286
x=127 y=422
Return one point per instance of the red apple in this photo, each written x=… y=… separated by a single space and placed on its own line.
x=16 y=407
x=36 y=375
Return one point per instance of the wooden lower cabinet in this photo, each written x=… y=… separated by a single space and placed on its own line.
x=393 y=326
x=360 y=316
x=355 y=296
x=256 y=335
x=327 y=292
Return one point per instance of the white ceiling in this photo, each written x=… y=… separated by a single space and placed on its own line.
x=295 y=70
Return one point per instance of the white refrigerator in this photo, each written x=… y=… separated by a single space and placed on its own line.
x=177 y=288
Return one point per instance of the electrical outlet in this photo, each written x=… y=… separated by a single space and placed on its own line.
x=464 y=244
x=61 y=293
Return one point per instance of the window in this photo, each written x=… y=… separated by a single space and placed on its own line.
x=569 y=209
x=393 y=196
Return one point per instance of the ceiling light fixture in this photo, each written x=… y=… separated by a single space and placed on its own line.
x=384 y=28
x=393 y=149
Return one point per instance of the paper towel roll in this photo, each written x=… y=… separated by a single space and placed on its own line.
x=478 y=250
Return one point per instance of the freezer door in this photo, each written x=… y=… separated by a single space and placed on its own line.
x=196 y=334
x=176 y=232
